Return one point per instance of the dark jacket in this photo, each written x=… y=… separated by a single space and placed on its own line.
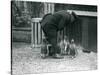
x=57 y=20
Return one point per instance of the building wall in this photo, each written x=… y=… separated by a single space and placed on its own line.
x=89 y=33
x=92 y=33
x=75 y=7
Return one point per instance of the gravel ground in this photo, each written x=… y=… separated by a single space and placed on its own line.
x=27 y=60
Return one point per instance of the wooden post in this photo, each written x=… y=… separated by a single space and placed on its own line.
x=36 y=32
x=32 y=40
x=85 y=33
x=25 y=6
x=39 y=35
x=48 y=8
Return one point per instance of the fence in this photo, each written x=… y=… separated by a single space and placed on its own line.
x=37 y=33
x=78 y=31
x=72 y=31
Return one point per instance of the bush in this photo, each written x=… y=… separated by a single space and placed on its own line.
x=23 y=20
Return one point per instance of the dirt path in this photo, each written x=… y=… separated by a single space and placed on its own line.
x=27 y=60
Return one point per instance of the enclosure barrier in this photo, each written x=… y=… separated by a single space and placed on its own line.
x=75 y=31
x=37 y=33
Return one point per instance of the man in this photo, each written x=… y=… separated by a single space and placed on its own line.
x=52 y=23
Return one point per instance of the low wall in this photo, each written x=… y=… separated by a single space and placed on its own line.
x=21 y=35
